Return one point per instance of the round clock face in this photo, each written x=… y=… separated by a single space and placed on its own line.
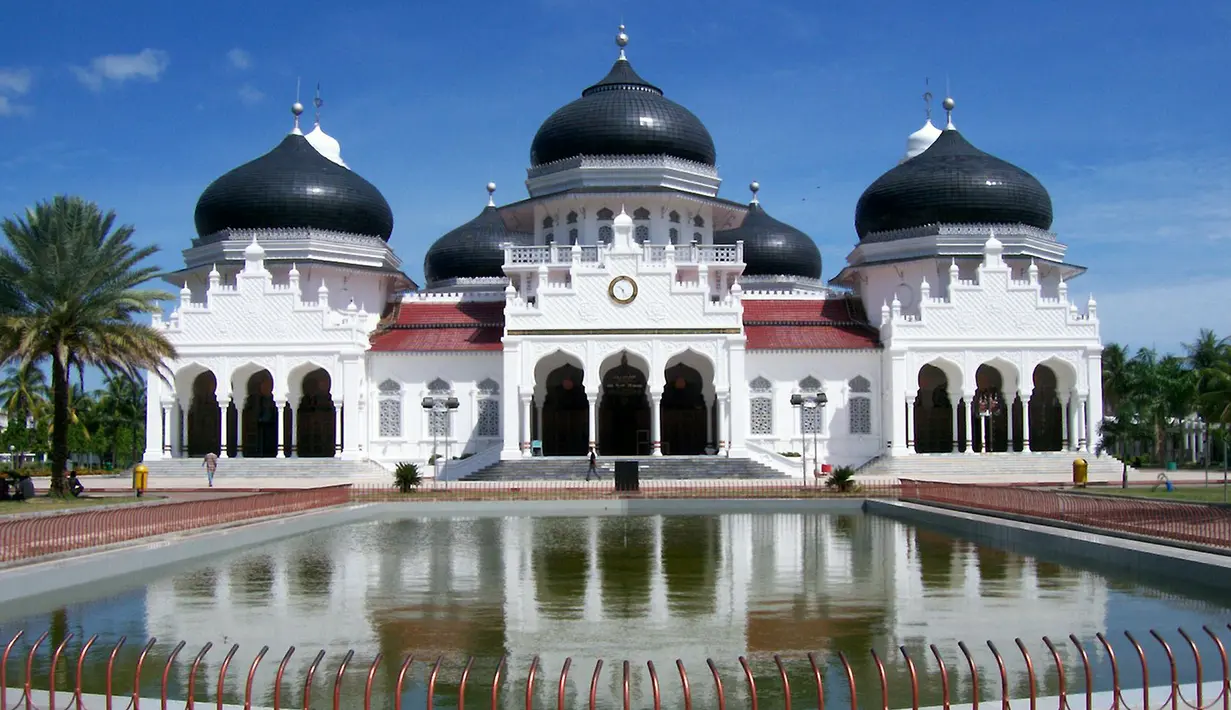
x=622 y=289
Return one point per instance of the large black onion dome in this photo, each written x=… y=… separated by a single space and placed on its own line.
x=773 y=248
x=293 y=186
x=952 y=182
x=473 y=250
x=622 y=115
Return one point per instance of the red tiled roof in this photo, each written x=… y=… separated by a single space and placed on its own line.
x=440 y=327
x=803 y=324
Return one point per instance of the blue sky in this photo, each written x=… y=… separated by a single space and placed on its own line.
x=1119 y=108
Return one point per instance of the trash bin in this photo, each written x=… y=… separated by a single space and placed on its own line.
x=627 y=476
x=141 y=476
x=1081 y=472
x=1171 y=466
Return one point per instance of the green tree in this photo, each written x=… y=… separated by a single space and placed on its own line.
x=1115 y=377
x=70 y=286
x=1159 y=391
x=124 y=401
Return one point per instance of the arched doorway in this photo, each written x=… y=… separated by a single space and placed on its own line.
x=933 y=413
x=624 y=412
x=566 y=419
x=989 y=412
x=682 y=412
x=315 y=431
x=204 y=422
x=1046 y=414
x=260 y=417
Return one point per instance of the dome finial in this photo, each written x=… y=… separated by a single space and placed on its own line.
x=755 y=187
x=949 y=103
x=622 y=42
x=296 y=111
x=318 y=102
x=491 y=190
x=927 y=98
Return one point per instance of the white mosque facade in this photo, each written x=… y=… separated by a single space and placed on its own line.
x=624 y=306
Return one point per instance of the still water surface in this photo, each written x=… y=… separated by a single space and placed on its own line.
x=638 y=588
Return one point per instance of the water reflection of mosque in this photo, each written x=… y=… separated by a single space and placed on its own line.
x=625 y=587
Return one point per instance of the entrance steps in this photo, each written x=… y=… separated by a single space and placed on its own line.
x=234 y=471
x=1033 y=466
x=540 y=468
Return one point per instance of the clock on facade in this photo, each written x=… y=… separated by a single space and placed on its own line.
x=622 y=289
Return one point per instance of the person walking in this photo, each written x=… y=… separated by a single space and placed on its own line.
x=211 y=465
x=593 y=468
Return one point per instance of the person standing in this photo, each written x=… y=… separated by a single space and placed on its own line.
x=593 y=468
x=211 y=465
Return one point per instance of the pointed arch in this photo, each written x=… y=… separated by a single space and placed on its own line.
x=439 y=386
x=641 y=213
x=809 y=384
x=605 y=214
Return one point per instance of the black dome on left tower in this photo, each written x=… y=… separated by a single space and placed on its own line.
x=293 y=186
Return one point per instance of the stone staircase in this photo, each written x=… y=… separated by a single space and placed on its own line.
x=1050 y=466
x=232 y=470
x=652 y=468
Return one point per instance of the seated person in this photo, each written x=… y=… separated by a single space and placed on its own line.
x=74 y=484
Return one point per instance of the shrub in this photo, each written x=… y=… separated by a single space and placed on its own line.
x=841 y=479
x=790 y=454
x=406 y=477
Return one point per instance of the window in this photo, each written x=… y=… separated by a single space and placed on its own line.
x=389 y=409
x=696 y=237
x=605 y=235
x=606 y=214
x=698 y=221
x=489 y=408
x=642 y=234
x=860 y=405
x=572 y=236
x=572 y=218
x=438 y=419
x=812 y=418
x=674 y=216
x=674 y=234
x=641 y=213
x=548 y=223
x=762 y=408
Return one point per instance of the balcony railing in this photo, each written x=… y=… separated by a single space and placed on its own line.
x=562 y=254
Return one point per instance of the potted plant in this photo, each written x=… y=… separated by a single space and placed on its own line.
x=406 y=477
x=842 y=479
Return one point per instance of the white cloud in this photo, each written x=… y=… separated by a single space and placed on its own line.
x=148 y=64
x=239 y=58
x=250 y=95
x=15 y=81
x=1164 y=315
x=8 y=108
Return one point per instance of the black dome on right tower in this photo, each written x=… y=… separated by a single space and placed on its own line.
x=952 y=182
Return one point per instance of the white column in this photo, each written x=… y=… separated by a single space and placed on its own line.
x=899 y=386
x=337 y=430
x=164 y=441
x=1094 y=402
x=909 y=418
x=656 y=445
x=954 y=400
x=1080 y=436
x=1064 y=422
x=353 y=428
x=737 y=401
x=1026 y=422
x=510 y=388
x=181 y=427
x=592 y=409
x=280 y=408
x=224 y=405
x=525 y=424
x=721 y=416
x=1073 y=415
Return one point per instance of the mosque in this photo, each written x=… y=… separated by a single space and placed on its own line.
x=624 y=306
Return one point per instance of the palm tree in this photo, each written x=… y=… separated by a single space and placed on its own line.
x=69 y=289
x=23 y=391
x=1115 y=376
x=124 y=401
x=1159 y=391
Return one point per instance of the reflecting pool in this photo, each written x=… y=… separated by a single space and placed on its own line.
x=655 y=588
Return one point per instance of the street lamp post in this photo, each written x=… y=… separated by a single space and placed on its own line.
x=445 y=406
x=806 y=402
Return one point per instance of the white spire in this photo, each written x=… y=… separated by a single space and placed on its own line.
x=921 y=140
x=325 y=144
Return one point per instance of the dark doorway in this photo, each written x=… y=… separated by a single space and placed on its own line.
x=683 y=412
x=260 y=418
x=315 y=431
x=1046 y=413
x=933 y=415
x=566 y=421
x=624 y=413
x=204 y=420
x=989 y=397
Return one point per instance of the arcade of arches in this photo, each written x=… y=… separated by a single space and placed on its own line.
x=1048 y=417
x=254 y=424
x=629 y=415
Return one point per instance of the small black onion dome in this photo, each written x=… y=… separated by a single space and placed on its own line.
x=773 y=248
x=622 y=115
x=473 y=250
x=952 y=182
x=293 y=186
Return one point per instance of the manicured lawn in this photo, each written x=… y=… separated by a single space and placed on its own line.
x=1199 y=494
x=43 y=503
